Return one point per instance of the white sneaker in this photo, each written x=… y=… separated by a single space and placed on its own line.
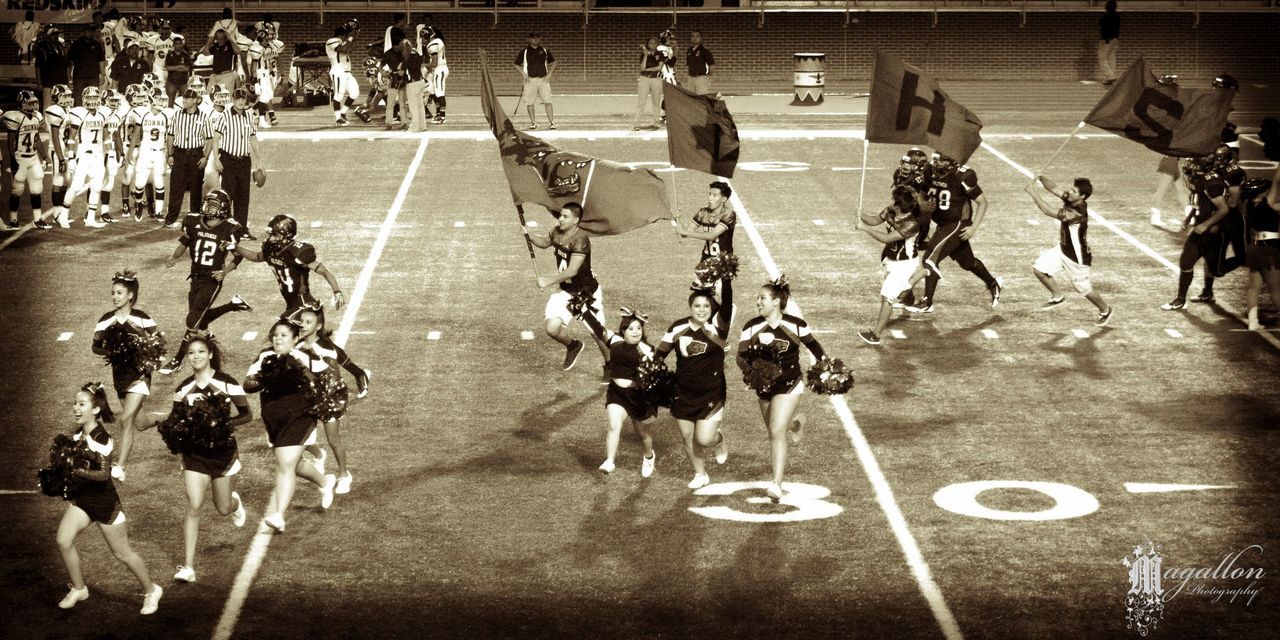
x=607 y=466
x=239 y=517
x=1156 y=218
x=344 y=484
x=722 y=449
x=318 y=461
x=275 y=521
x=73 y=596
x=64 y=220
x=185 y=574
x=93 y=223
x=699 y=481
x=326 y=492
x=774 y=490
x=151 y=601
x=117 y=472
x=647 y=465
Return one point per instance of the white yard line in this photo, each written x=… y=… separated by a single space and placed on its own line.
x=610 y=134
x=884 y=494
x=262 y=540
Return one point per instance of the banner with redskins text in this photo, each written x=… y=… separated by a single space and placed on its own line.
x=50 y=11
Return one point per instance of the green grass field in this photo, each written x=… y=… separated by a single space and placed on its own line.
x=477 y=510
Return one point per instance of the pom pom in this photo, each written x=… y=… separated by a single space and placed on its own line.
x=581 y=303
x=762 y=369
x=723 y=266
x=66 y=454
x=148 y=351
x=656 y=381
x=282 y=375
x=129 y=349
x=331 y=395
x=201 y=427
x=174 y=429
x=830 y=377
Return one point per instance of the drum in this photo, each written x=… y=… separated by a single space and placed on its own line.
x=810 y=78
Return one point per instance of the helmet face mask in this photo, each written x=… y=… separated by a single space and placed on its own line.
x=28 y=102
x=159 y=99
x=113 y=100
x=221 y=96
x=281 y=231
x=914 y=160
x=217 y=205
x=944 y=165
x=91 y=97
x=62 y=96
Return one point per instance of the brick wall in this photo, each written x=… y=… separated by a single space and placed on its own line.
x=603 y=55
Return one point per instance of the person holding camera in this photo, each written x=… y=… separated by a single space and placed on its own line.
x=649 y=84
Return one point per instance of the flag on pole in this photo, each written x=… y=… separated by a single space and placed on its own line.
x=1172 y=120
x=908 y=106
x=615 y=198
x=701 y=134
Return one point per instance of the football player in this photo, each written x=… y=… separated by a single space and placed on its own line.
x=1204 y=235
x=901 y=255
x=912 y=172
x=714 y=224
x=958 y=209
x=262 y=60
x=1262 y=204
x=210 y=239
x=56 y=116
x=117 y=149
x=343 y=84
x=574 y=278
x=26 y=154
x=292 y=262
x=139 y=105
x=159 y=45
x=149 y=141
x=87 y=124
x=435 y=61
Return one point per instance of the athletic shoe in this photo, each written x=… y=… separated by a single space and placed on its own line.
x=533 y=126
x=362 y=383
x=1175 y=304
x=263 y=123
x=248 y=235
x=995 y=294
x=184 y=574
x=275 y=521
x=43 y=224
x=171 y=225
x=318 y=461
x=326 y=492
x=1053 y=302
x=551 y=126
x=238 y=517
x=117 y=472
x=925 y=307
x=1104 y=317
x=274 y=120
x=95 y=224
x=151 y=601
x=722 y=449
x=636 y=128
x=396 y=122
x=607 y=466
x=1205 y=296
x=1156 y=219
x=344 y=484
x=795 y=432
x=137 y=214
x=699 y=481
x=1254 y=325
x=869 y=337
x=73 y=596
x=571 y=354
x=647 y=465
x=774 y=490
x=11 y=225
x=438 y=119
x=64 y=219
x=363 y=114
x=169 y=367
x=238 y=304
x=341 y=121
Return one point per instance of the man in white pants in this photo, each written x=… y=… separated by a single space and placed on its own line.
x=342 y=82
x=88 y=126
x=435 y=60
x=150 y=140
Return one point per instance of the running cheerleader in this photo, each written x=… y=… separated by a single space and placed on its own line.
x=200 y=429
x=284 y=375
x=625 y=399
x=80 y=472
x=134 y=347
x=333 y=401
x=769 y=357
x=699 y=342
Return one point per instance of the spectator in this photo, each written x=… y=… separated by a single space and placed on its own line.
x=536 y=64
x=700 y=62
x=88 y=62
x=225 y=54
x=395 y=33
x=51 y=62
x=1109 y=28
x=25 y=33
x=396 y=77
x=649 y=84
x=129 y=68
x=178 y=67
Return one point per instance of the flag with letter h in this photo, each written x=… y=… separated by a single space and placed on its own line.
x=908 y=106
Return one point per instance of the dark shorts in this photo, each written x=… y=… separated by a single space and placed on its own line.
x=130 y=380
x=214 y=464
x=287 y=420
x=697 y=405
x=295 y=302
x=203 y=290
x=779 y=388
x=1264 y=256
x=632 y=399
x=99 y=500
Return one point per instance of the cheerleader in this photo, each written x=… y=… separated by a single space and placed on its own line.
x=94 y=499
x=775 y=337
x=213 y=467
x=132 y=381
x=624 y=398
x=320 y=341
x=699 y=342
x=286 y=412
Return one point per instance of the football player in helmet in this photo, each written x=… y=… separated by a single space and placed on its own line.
x=1205 y=239
x=345 y=89
x=435 y=61
x=211 y=239
x=117 y=148
x=292 y=262
x=87 y=126
x=959 y=207
x=57 y=117
x=1262 y=206
x=27 y=153
x=150 y=138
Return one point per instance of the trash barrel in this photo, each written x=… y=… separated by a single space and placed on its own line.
x=810 y=78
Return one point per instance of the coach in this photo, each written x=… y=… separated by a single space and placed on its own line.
x=128 y=69
x=88 y=62
x=236 y=138
x=189 y=145
x=699 y=62
x=225 y=57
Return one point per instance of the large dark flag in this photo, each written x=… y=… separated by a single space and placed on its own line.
x=1172 y=120
x=908 y=106
x=614 y=198
x=701 y=134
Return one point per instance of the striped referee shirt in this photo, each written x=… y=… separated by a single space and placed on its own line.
x=187 y=130
x=237 y=128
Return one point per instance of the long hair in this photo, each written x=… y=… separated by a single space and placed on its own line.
x=780 y=289
x=322 y=329
x=98 y=392
x=129 y=279
x=215 y=351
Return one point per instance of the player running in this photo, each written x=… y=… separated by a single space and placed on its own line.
x=292 y=262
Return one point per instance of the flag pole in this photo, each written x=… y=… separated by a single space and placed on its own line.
x=675 y=200
x=1049 y=162
x=862 y=187
x=524 y=230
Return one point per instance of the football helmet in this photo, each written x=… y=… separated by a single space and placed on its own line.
x=1169 y=80
x=28 y=102
x=1253 y=187
x=914 y=159
x=150 y=80
x=137 y=95
x=942 y=164
x=217 y=204
x=370 y=67
x=91 y=97
x=282 y=229
x=1225 y=81
x=113 y=100
x=1220 y=158
x=62 y=96
x=221 y=96
x=159 y=97
x=196 y=83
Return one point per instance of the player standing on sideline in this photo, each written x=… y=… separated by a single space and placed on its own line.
x=1072 y=253
x=95 y=500
x=435 y=60
x=572 y=249
x=292 y=262
x=320 y=342
x=959 y=207
x=625 y=399
x=209 y=238
x=26 y=154
x=87 y=125
x=779 y=335
x=159 y=46
x=132 y=384
x=56 y=116
x=343 y=83
x=700 y=342
x=262 y=61
x=118 y=151
x=150 y=142
x=1262 y=206
x=901 y=255
x=139 y=100
x=214 y=112
x=1204 y=238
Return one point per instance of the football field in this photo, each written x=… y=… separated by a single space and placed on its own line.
x=985 y=477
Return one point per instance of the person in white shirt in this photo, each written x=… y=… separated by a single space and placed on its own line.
x=87 y=130
x=343 y=83
x=150 y=139
x=262 y=62
x=434 y=59
x=227 y=23
x=159 y=46
x=25 y=33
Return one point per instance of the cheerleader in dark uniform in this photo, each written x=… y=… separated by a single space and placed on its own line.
x=214 y=467
x=1261 y=204
x=286 y=407
x=776 y=337
x=94 y=500
x=320 y=342
x=624 y=398
x=700 y=341
x=132 y=384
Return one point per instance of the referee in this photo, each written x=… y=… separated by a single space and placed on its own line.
x=189 y=145
x=236 y=138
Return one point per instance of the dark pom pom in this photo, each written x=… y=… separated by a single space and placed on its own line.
x=656 y=381
x=581 y=304
x=208 y=425
x=282 y=375
x=148 y=352
x=762 y=369
x=331 y=395
x=830 y=377
x=723 y=266
x=174 y=429
x=65 y=456
x=128 y=348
